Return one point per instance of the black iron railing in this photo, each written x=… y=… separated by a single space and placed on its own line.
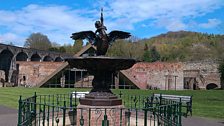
x=64 y=109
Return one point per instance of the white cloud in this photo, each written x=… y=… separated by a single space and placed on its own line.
x=141 y=10
x=54 y=21
x=176 y=25
x=211 y=23
x=154 y=9
x=58 y=22
x=169 y=24
x=11 y=38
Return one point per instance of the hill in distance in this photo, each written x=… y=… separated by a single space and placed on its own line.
x=173 y=46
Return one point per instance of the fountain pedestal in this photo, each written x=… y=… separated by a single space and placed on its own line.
x=101 y=94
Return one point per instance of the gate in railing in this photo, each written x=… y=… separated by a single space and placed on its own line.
x=63 y=110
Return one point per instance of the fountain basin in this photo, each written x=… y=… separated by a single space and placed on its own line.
x=101 y=63
x=103 y=69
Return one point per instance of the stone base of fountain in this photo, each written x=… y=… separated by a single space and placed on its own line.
x=100 y=99
x=95 y=115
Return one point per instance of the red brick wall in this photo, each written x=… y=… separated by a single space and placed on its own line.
x=156 y=74
x=35 y=72
x=165 y=75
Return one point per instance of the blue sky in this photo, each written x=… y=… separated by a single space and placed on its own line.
x=58 y=19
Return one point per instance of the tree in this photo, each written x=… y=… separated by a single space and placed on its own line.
x=62 y=49
x=78 y=44
x=38 y=41
x=57 y=49
x=154 y=54
x=54 y=49
x=72 y=49
x=221 y=71
x=119 y=48
x=68 y=48
x=146 y=55
x=55 y=44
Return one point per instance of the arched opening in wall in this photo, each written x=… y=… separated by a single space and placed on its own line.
x=47 y=58
x=35 y=57
x=21 y=56
x=5 y=62
x=211 y=86
x=58 y=59
x=194 y=86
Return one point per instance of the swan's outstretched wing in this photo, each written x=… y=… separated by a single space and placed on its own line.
x=90 y=35
x=113 y=35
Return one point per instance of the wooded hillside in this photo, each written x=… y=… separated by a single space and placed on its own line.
x=172 y=46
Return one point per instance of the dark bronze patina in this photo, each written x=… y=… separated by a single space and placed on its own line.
x=103 y=68
x=100 y=38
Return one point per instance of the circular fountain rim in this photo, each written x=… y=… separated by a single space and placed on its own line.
x=100 y=57
x=101 y=63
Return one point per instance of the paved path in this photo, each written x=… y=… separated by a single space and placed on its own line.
x=198 y=121
x=8 y=117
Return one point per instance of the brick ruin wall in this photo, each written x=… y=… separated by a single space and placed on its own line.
x=158 y=75
x=207 y=72
x=31 y=73
x=171 y=76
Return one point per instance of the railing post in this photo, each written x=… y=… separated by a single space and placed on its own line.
x=89 y=116
x=64 y=112
x=160 y=99
x=121 y=117
x=48 y=111
x=43 y=122
x=81 y=119
x=152 y=100
x=136 y=117
x=145 y=117
x=180 y=112
x=75 y=99
x=35 y=106
x=120 y=94
x=105 y=122
x=20 y=111
x=129 y=114
x=71 y=100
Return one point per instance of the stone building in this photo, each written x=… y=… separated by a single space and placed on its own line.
x=9 y=55
x=31 y=74
x=201 y=75
x=176 y=76
x=157 y=75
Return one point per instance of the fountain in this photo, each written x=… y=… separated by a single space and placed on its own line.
x=100 y=107
x=101 y=67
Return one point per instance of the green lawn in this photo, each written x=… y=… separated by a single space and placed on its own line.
x=207 y=103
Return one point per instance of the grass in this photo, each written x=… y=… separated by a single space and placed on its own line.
x=206 y=103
